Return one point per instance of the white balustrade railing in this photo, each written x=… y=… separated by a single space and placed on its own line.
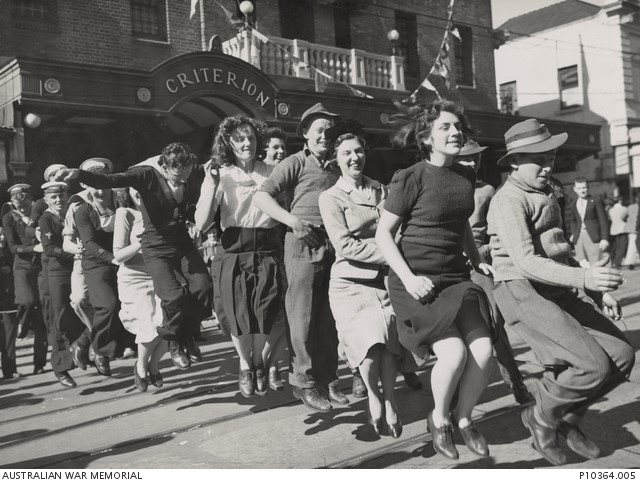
x=352 y=66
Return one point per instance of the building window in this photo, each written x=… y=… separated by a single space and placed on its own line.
x=296 y=19
x=463 y=45
x=34 y=10
x=568 y=82
x=408 y=44
x=149 y=19
x=509 y=98
x=342 y=24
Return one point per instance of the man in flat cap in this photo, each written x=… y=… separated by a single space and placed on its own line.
x=308 y=259
x=65 y=326
x=26 y=265
x=163 y=183
x=560 y=309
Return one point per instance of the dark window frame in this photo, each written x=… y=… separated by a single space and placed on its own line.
x=568 y=79
x=463 y=48
x=49 y=11
x=297 y=20
x=342 y=24
x=149 y=20
x=407 y=46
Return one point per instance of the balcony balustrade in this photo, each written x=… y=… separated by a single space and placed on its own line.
x=351 y=66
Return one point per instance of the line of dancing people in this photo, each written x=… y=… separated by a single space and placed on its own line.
x=434 y=264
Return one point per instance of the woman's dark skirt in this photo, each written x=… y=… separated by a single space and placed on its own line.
x=421 y=324
x=247 y=286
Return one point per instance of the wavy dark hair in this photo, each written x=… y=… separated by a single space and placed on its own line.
x=347 y=137
x=417 y=122
x=122 y=198
x=274 y=132
x=177 y=155
x=221 y=150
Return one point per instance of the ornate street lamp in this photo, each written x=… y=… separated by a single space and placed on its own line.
x=246 y=8
x=393 y=37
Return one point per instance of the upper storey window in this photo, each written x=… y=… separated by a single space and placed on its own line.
x=149 y=19
x=40 y=11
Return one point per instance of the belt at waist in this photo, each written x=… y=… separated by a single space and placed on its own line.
x=238 y=240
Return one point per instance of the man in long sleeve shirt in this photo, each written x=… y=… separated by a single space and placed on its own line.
x=26 y=265
x=167 y=249
x=540 y=291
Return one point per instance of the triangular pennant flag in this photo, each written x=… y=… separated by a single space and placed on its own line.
x=231 y=17
x=260 y=36
x=456 y=34
x=358 y=93
x=321 y=80
x=428 y=85
x=193 y=8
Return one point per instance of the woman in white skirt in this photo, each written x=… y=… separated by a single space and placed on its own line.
x=359 y=301
x=140 y=310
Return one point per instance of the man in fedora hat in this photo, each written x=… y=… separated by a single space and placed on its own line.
x=550 y=300
x=308 y=259
x=26 y=265
x=470 y=155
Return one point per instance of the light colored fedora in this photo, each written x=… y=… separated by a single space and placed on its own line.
x=471 y=147
x=530 y=136
x=317 y=110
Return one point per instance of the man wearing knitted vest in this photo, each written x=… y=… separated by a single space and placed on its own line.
x=560 y=309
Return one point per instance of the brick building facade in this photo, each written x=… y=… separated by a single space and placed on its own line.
x=103 y=78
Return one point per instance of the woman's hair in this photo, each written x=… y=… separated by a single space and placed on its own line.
x=122 y=198
x=221 y=150
x=417 y=122
x=274 y=132
x=347 y=137
x=177 y=155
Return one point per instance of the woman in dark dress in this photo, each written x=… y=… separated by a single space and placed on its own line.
x=439 y=310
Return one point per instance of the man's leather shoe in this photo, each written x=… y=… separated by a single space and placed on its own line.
x=38 y=370
x=178 y=356
x=312 y=398
x=358 y=389
x=102 y=365
x=545 y=439
x=336 y=396
x=80 y=355
x=156 y=379
x=262 y=384
x=65 y=379
x=246 y=382
x=195 y=355
x=140 y=382
x=442 y=439
x=474 y=440
x=578 y=442
x=275 y=382
x=412 y=380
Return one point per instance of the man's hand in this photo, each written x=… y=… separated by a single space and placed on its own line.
x=604 y=245
x=611 y=307
x=602 y=279
x=38 y=248
x=66 y=174
x=420 y=288
x=304 y=230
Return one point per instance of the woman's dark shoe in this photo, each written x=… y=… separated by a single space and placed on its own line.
x=376 y=424
x=262 y=384
x=156 y=379
x=358 y=389
x=474 y=440
x=442 y=439
x=246 y=383
x=395 y=430
x=275 y=382
x=140 y=382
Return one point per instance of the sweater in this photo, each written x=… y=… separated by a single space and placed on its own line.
x=526 y=238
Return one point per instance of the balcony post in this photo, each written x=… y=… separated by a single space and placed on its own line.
x=397 y=73
x=357 y=67
x=301 y=52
